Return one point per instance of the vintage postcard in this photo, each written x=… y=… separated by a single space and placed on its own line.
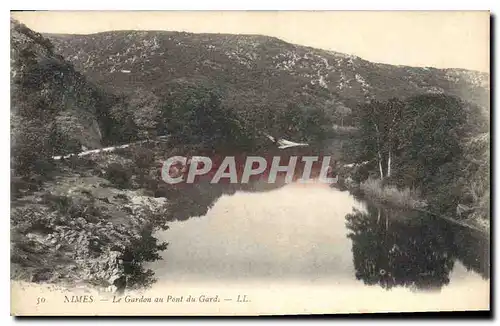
x=249 y=163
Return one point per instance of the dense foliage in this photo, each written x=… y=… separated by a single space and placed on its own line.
x=425 y=143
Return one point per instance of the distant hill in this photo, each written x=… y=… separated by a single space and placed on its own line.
x=255 y=71
x=111 y=88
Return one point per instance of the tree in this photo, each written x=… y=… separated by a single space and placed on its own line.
x=342 y=111
x=121 y=127
x=299 y=123
x=289 y=122
x=475 y=176
x=30 y=145
x=430 y=145
x=379 y=123
x=145 y=109
x=198 y=118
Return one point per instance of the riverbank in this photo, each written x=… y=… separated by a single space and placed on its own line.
x=80 y=227
x=374 y=190
x=388 y=194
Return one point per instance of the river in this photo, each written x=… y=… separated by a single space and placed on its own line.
x=319 y=249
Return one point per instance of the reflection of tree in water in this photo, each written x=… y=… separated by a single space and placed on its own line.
x=390 y=247
x=195 y=199
x=472 y=250
x=392 y=253
x=192 y=200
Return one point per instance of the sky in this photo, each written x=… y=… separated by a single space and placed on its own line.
x=441 y=39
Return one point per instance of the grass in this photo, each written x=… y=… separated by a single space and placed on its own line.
x=388 y=194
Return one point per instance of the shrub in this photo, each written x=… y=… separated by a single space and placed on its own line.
x=118 y=175
x=74 y=162
x=143 y=157
x=390 y=194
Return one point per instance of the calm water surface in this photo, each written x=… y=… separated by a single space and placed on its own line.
x=306 y=235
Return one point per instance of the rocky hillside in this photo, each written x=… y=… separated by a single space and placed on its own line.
x=52 y=104
x=69 y=222
x=255 y=71
x=87 y=224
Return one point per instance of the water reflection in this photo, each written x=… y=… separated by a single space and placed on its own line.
x=472 y=250
x=191 y=200
x=312 y=234
x=398 y=248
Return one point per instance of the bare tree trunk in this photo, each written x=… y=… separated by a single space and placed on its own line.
x=389 y=164
x=378 y=217
x=378 y=152
x=380 y=165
